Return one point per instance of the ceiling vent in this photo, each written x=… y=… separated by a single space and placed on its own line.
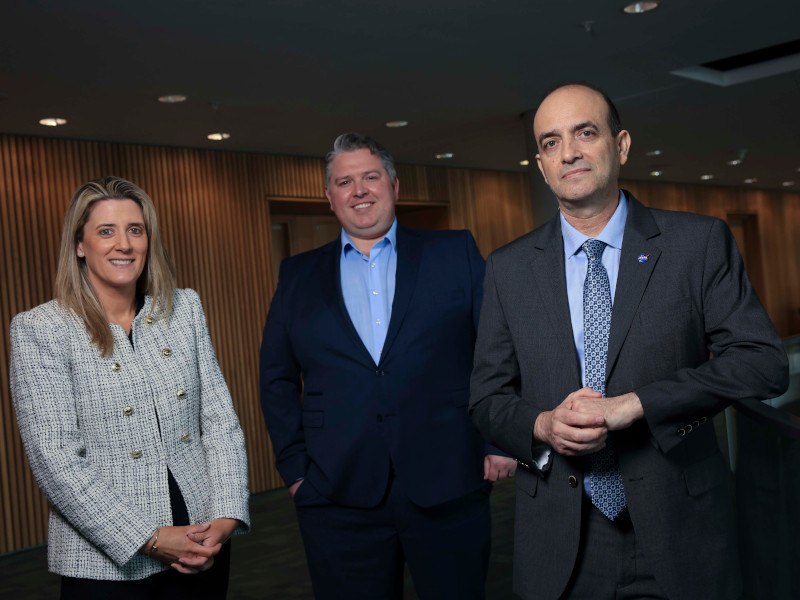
x=750 y=66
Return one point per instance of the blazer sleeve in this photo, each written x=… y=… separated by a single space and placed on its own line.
x=281 y=387
x=222 y=437
x=477 y=269
x=502 y=416
x=42 y=394
x=748 y=358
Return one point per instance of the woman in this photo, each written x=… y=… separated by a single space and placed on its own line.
x=125 y=416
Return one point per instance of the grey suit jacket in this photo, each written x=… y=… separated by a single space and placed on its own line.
x=686 y=297
x=100 y=433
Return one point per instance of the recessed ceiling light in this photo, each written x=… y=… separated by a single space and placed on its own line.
x=734 y=162
x=444 y=155
x=637 y=8
x=706 y=177
x=656 y=173
x=524 y=163
x=798 y=169
x=52 y=121
x=654 y=153
x=218 y=137
x=396 y=124
x=172 y=98
x=751 y=180
x=787 y=183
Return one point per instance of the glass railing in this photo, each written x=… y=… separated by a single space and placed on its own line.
x=765 y=454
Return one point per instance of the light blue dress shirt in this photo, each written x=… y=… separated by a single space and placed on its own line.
x=368 y=283
x=575 y=265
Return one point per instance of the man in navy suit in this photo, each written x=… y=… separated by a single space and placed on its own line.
x=365 y=368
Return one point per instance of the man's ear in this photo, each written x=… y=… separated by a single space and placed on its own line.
x=623 y=146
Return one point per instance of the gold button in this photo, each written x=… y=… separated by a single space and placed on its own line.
x=573 y=481
x=166 y=353
x=127 y=411
x=136 y=454
x=185 y=437
x=181 y=394
x=116 y=367
x=149 y=320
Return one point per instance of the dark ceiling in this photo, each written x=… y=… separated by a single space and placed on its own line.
x=286 y=76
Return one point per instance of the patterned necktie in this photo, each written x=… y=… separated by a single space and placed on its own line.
x=608 y=493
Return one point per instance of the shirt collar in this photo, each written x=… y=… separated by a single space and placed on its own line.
x=390 y=238
x=612 y=233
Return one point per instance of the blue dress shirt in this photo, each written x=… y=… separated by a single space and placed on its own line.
x=368 y=282
x=575 y=265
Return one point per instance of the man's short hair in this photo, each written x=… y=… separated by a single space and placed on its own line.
x=350 y=142
x=614 y=122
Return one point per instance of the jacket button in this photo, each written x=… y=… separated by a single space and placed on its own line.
x=573 y=481
x=185 y=437
x=166 y=353
x=181 y=394
x=681 y=432
x=380 y=373
x=127 y=411
x=116 y=367
x=136 y=454
x=149 y=320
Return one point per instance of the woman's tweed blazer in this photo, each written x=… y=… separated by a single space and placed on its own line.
x=100 y=433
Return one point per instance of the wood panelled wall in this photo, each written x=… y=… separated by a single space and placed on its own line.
x=216 y=224
x=776 y=275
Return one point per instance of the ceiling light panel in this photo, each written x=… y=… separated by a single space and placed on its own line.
x=637 y=8
x=52 y=121
x=172 y=99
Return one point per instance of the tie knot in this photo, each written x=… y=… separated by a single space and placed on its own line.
x=594 y=248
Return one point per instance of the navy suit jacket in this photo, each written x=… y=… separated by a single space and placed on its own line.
x=341 y=421
x=682 y=293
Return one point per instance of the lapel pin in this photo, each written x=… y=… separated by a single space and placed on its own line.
x=643 y=258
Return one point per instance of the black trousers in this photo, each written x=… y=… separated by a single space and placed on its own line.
x=167 y=585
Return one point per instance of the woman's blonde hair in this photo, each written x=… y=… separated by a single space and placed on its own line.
x=72 y=287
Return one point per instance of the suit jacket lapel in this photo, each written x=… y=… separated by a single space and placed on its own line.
x=548 y=265
x=409 y=254
x=330 y=276
x=637 y=261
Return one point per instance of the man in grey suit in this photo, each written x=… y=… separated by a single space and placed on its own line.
x=592 y=368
